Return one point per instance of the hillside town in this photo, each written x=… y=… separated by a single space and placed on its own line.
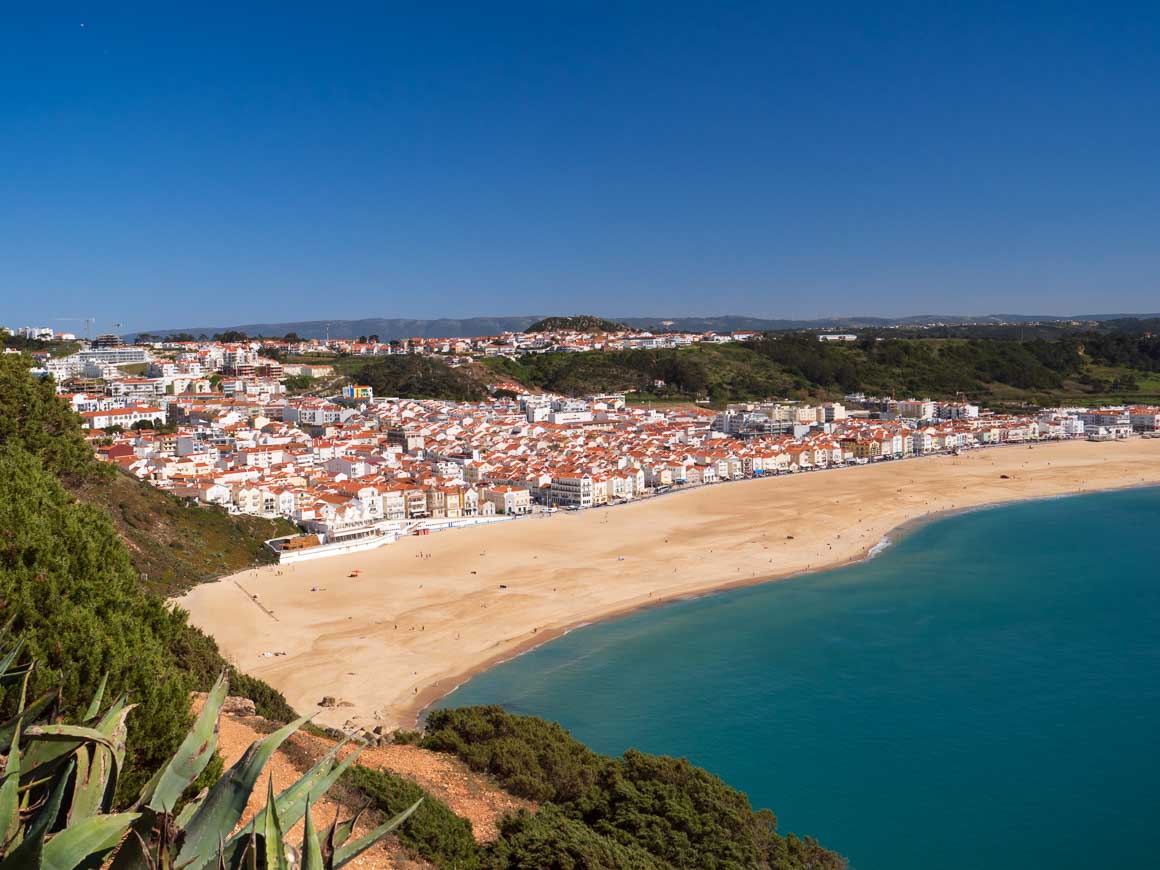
x=213 y=423
x=556 y=339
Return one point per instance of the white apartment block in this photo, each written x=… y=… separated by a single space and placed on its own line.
x=573 y=490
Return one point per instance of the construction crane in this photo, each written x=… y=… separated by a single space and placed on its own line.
x=88 y=322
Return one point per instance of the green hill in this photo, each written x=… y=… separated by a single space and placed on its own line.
x=1084 y=368
x=410 y=376
x=576 y=323
x=174 y=546
x=70 y=588
x=726 y=372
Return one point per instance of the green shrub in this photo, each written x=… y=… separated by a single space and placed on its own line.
x=419 y=377
x=534 y=841
x=433 y=831
x=679 y=814
x=530 y=757
x=33 y=417
x=66 y=582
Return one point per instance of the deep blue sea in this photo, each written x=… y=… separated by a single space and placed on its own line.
x=983 y=694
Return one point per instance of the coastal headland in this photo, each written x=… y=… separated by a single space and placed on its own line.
x=425 y=614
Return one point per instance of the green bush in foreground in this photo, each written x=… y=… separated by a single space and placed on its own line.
x=530 y=757
x=680 y=815
x=68 y=588
x=549 y=838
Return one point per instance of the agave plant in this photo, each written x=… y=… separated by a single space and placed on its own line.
x=59 y=780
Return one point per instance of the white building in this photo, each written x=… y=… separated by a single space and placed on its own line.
x=957 y=411
x=36 y=333
x=573 y=489
x=916 y=409
x=1144 y=419
x=123 y=417
x=510 y=500
x=570 y=417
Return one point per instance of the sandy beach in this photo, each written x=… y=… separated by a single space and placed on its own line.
x=428 y=612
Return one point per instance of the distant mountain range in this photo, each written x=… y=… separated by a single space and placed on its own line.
x=389 y=328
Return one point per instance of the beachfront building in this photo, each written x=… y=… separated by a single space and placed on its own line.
x=509 y=500
x=1109 y=418
x=572 y=489
x=1144 y=419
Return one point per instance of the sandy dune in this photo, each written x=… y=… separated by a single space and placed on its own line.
x=429 y=611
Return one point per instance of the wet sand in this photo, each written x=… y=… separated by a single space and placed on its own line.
x=428 y=612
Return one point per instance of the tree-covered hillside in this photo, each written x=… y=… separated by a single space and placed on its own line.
x=724 y=371
x=1090 y=367
x=639 y=810
x=410 y=376
x=576 y=323
x=71 y=590
x=172 y=545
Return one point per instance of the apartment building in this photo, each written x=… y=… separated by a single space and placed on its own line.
x=508 y=500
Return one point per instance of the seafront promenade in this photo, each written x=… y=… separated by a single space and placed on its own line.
x=427 y=612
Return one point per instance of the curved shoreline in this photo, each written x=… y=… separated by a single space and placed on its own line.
x=426 y=700
x=430 y=613
x=414 y=714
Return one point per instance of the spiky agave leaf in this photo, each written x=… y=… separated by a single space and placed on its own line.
x=9 y=657
x=338 y=832
x=273 y=846
x=10 y=797
x=134 y=853
x=28 y=713
x=95 y=705
x=49 y=745
x=86 y=842
x=348 y=852
x=183 y=817
x=226 y=801
x=99 y=768
x=9 y=671
x=291 y=802
x=28 y=853
x=66 y=734
x=163 y=791
x=311 y=847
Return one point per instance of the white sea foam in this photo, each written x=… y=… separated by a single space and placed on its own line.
x=879 y=547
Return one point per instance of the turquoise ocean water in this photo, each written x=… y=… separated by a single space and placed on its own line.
x=983 y=694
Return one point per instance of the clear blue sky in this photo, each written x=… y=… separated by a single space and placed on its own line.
x=333 y=160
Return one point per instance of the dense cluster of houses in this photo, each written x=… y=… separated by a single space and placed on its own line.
x=213 y=423
x=345 y=465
